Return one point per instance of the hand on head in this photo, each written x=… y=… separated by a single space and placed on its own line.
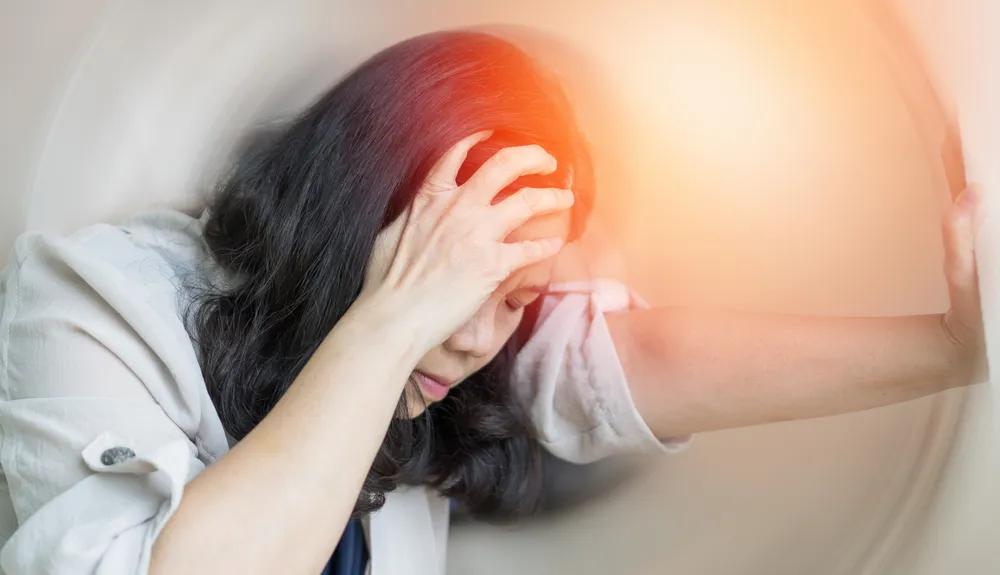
x=446 y=254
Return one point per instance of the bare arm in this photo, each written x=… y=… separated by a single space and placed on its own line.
x=692 y=371
x=278 y=502
x=292 y=482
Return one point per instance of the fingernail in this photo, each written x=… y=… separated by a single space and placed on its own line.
x=567 y=197
x=553 y=164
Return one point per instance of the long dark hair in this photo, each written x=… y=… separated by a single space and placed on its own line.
x=295 y=223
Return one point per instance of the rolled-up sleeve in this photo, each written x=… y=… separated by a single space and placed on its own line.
x=570 y=380
x=92 y=482
x=94 y=465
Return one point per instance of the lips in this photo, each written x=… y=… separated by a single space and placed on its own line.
x=432 y=387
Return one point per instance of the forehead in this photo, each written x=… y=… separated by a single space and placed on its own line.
x=548 y=226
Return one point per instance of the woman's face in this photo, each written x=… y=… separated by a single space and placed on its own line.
x=478 y=341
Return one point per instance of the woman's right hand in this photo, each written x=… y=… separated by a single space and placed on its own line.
x=445 y=255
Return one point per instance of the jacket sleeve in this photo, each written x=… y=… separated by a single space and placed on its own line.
x=570 y=380
x=94 y=466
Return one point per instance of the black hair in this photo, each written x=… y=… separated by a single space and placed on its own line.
x=296 y=221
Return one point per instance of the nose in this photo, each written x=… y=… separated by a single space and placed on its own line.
x=475 y=338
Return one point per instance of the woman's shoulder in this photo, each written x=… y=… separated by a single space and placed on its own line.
x=144 y=261
x=145 y=251
x=98 y=311
x=121 y=284
x=144 y=272
x=162 y=231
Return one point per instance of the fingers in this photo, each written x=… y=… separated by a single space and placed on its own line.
x=442 y=176
x=503 y=168
x=522 y=254
x=434 y=196
x=959 y=241
x=528 y=203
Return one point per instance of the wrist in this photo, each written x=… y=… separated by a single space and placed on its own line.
x=392 y=321
x=961 y=351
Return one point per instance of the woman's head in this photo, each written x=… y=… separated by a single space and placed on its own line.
x=296 y=222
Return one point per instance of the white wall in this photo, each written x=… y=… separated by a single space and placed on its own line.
x=38 y=52
x=957 y=40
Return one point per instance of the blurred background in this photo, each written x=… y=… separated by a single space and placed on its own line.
x=762 y=154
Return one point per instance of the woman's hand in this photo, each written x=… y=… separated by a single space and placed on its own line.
x=445 y=255
x=691 y=371
x=963 y=323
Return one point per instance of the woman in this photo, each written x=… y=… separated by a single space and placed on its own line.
x=232 y=384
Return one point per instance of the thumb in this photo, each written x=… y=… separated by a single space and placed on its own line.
x=959 y=239
x=386 y=246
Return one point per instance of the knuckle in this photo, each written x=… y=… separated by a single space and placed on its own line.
x=533 y=154
x=955 y=273
x=531 y=250
x=477 y=242
x=472 y=217
x=504 y=263
x=530 y=200
x=433 y=188
x=507 y=158
x=471 y=240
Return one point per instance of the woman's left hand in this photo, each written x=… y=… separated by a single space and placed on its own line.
x=963 y=323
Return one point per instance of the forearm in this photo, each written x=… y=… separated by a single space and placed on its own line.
x=693 y=371
x=278 y=502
